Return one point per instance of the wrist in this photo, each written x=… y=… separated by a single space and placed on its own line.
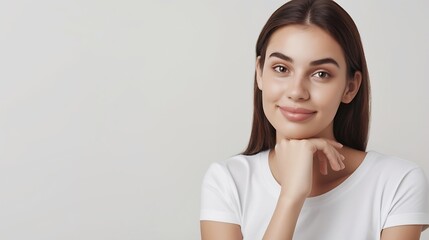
x=292 y=198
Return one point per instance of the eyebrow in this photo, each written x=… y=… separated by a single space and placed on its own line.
x=313 y=63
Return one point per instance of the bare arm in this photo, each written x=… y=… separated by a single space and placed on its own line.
x=211 y=230
x=283 y=221
x=294 y=160
x=409 y=232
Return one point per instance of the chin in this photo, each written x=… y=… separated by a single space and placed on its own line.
x=295 y=134
x=303 y=132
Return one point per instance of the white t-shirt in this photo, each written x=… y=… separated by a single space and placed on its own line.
x=384 y=191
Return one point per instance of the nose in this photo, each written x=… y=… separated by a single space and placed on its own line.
x=297 y=89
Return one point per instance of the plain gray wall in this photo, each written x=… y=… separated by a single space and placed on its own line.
x=111 y=111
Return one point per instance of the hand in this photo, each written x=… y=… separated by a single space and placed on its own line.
x=294 y=159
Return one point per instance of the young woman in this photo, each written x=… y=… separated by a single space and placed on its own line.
x=305 y=174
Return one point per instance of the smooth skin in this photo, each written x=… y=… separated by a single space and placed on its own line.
x=304 y=68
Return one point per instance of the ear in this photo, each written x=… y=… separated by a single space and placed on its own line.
x=352 y=87
x=258 y=71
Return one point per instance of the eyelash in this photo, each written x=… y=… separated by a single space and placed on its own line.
x=316 y=74
x=276 y=68
x=327 y=75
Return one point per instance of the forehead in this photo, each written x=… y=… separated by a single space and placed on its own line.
x=305 y=43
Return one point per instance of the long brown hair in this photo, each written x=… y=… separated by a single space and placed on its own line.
x=351 y=122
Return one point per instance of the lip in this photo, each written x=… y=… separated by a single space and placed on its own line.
x=296 y=114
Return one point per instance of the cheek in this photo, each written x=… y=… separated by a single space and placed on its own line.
x=271 y=94
x=272 y=89
x=329 y=99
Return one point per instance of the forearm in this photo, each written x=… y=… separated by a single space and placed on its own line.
x=285 y=216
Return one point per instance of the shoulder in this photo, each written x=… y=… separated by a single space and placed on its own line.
x=236 y=173
x=223 y=187
x=236 y=166
x=395 y=174
x=389 y=175
x=404 y=190
x=390 y=165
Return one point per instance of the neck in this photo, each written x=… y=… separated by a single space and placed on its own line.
x=324 y=183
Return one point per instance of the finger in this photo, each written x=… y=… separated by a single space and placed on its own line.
x=323 y=163
x=333 y=156
x=340 y=157
x=335 y=143
x=335 y=160
x=342 y=161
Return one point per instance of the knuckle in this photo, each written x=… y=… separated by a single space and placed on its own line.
x=325 y=143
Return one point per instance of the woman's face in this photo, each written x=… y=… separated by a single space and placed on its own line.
x=303 y=82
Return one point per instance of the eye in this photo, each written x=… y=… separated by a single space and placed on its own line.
x=322 y=75
x=280 y=69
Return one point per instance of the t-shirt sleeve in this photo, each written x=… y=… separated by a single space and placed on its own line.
x=410 y=205
x=219 y=198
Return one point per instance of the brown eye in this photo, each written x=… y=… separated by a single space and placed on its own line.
x=280 y=69
x=321 y=74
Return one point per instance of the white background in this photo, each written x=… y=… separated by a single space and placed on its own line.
x=111 y=111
